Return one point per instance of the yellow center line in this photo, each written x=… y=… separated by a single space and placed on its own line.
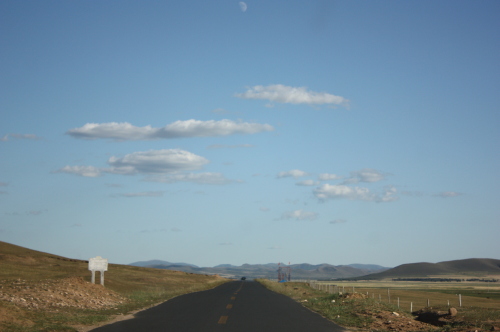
x=223 y=319
x=233 y=297
x=229 y=306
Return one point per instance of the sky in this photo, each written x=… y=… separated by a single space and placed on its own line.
x=227 y=132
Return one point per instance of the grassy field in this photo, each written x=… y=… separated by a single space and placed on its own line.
x=480 y=303
x=140 y=288
x=473 y=294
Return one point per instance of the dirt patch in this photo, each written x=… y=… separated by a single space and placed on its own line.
x=52 y=294
x=393 y=321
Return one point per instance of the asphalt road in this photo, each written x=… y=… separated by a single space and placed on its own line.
x=239 y=306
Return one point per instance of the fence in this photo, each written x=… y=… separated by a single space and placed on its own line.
x=403 y=299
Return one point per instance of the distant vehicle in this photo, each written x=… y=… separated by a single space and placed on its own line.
x=243 y=278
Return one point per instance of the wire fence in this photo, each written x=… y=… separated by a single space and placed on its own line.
x=402 y=299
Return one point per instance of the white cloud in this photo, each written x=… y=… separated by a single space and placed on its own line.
x=264 y=209
x=307 y=183
x=5 y=138
x=291 y=95
x=295 y=173
x=88 y=171
x=328 y=177
x=388 y=195
x=365 y=175
x=328 y=191
x=199 y=178
x=300 y=215
x=448 y=194
x=157 y=162
x=190 y=128
x=338 y=221
x=146 y=162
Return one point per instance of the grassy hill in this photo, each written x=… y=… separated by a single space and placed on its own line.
x=473 y=267
x=44 y=292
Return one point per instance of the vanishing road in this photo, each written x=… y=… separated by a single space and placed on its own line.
x=239 y=306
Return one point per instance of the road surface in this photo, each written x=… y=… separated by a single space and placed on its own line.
x=239 y=306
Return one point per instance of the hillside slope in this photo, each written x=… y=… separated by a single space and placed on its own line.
x=478 y=267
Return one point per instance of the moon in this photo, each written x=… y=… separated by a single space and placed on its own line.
x=243 y=6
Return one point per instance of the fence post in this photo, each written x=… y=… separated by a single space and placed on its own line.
x=460 y=299
x=389 y=295
x=411 y=306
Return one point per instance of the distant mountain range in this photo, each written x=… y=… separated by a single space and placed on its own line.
x=473 y=267
x=299 y=271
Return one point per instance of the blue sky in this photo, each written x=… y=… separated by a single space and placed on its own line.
x=216 y=132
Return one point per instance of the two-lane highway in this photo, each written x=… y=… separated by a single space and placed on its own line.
x=240 y=306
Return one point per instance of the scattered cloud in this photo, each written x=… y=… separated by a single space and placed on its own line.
x=295 y=173
x=175 y=229
x=6 y=137
x=264 y=209
x=87 y=171
x=243 y=6
x=300 y=215
x=3 y=192
x=329 y=177
x=3 y=184
x=365 y=175
x=224 y=146
x=291 y=95
x=199 y=178
x=141 y=194
x=125 y=131
x=274 y=248
x=328 y=191
x=145 y=162
x=338 y=221
x=448 y=194
x=76 y=225
x=307 y=183
x=225 y=244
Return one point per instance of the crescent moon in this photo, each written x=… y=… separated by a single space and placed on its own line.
x=243 y=6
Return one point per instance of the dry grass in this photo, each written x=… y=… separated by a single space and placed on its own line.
x=142 y=287
x=366 y=312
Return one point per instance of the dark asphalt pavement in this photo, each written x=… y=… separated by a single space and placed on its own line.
x=239 y=306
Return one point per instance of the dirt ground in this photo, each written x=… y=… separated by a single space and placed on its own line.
x=53 y=294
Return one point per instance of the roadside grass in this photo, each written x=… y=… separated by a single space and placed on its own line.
x=477 y=312
x=142 y=287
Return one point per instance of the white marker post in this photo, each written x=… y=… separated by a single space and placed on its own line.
x=98 y=264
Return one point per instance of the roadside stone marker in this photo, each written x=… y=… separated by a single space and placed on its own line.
x=98 y=264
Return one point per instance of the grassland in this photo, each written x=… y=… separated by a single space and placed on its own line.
x=369 y=305
x=22 y=269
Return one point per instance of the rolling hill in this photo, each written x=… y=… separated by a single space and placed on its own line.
x=472 y=267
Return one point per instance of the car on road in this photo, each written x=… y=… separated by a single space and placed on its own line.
x=243 y=278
